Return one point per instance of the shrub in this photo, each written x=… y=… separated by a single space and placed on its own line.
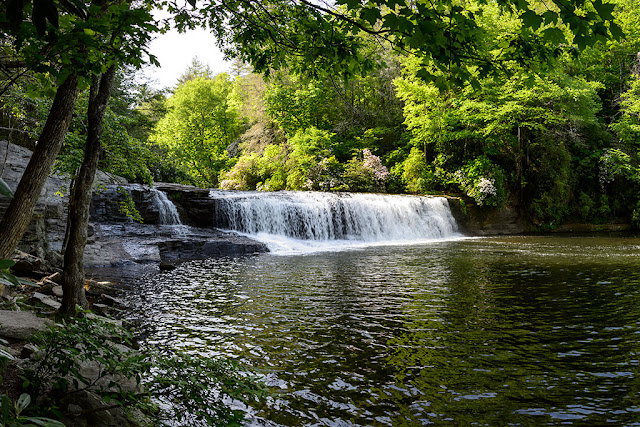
x=483 y=181
x=365 y=174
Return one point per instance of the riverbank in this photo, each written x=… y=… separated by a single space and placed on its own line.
x=88 y=370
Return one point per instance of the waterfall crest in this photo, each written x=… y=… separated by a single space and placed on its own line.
x=327 y=217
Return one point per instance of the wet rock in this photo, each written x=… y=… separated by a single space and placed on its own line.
x=111 y=301
x=21 y=324
x=173 y=252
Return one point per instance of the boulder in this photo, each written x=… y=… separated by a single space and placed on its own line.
x=21 y=324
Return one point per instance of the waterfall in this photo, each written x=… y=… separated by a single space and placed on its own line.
x=314 y=217
x=168 y=214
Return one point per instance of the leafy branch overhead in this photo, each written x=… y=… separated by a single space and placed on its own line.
x=448 y=35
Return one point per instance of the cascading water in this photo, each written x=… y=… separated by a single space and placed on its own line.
x=168 y=214
x=290 y=221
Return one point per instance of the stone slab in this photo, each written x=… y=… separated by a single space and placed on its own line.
x=21 y=324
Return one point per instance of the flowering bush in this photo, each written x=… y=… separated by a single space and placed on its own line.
x=483 y=181
x=366 y=174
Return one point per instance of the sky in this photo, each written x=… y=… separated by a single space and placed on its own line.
x=175 y=52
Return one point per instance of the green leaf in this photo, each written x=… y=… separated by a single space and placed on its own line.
x=605 y=10
x=9 y=279
x=615 y=30
x=531 y=19
x=4 y=189
x=554 y=35
x=351 y=4
x=192 y=3
x=23 y=401
x=6 y=354
x=550 y=17
x=6 y=263
x=45 y=422
x=370 y=15
x=5 y=403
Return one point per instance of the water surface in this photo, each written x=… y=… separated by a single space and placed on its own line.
x=494 y=331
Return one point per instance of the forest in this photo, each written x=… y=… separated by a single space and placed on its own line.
x=557 y=136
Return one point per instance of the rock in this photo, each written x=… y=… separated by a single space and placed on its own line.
x=94 y=316
x=101 y=309
x=21 y=324
x=108 y=299
x=175 y=251
x=88 y=409
x=28 y=350
x=487 y=221
x=45 y=234
x=27 y=264
x=57 y=291
x=45 y=300
x=94 y=372
x=96 y=288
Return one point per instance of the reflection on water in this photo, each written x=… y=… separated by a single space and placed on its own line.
x=519 y=331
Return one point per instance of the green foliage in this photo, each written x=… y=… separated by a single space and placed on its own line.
x=58 y=368
x=414 y=172
x=483 y=181
x=4 y=189
x=199 y=126
x=196 y=389
x=366 y=174
x=296 y=105
x=12 y=413
x=6 y=278
x=128 y=206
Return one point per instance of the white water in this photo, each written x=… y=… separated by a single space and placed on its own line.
x=168 y=212
x=300 y=222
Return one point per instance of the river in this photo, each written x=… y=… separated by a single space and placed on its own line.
x=479 y=331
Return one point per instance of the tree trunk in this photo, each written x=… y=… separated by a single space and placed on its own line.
x=18 y=216
x=78 y=219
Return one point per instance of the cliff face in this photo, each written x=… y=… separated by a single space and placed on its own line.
x=476 y=221
x=46 y=231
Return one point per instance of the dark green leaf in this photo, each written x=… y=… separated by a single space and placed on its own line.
x=605 y=10
x=5 y=403
x=554 y=35
x=370 y=15
x=6 y=263
x=615 y=30
x=531 y=19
